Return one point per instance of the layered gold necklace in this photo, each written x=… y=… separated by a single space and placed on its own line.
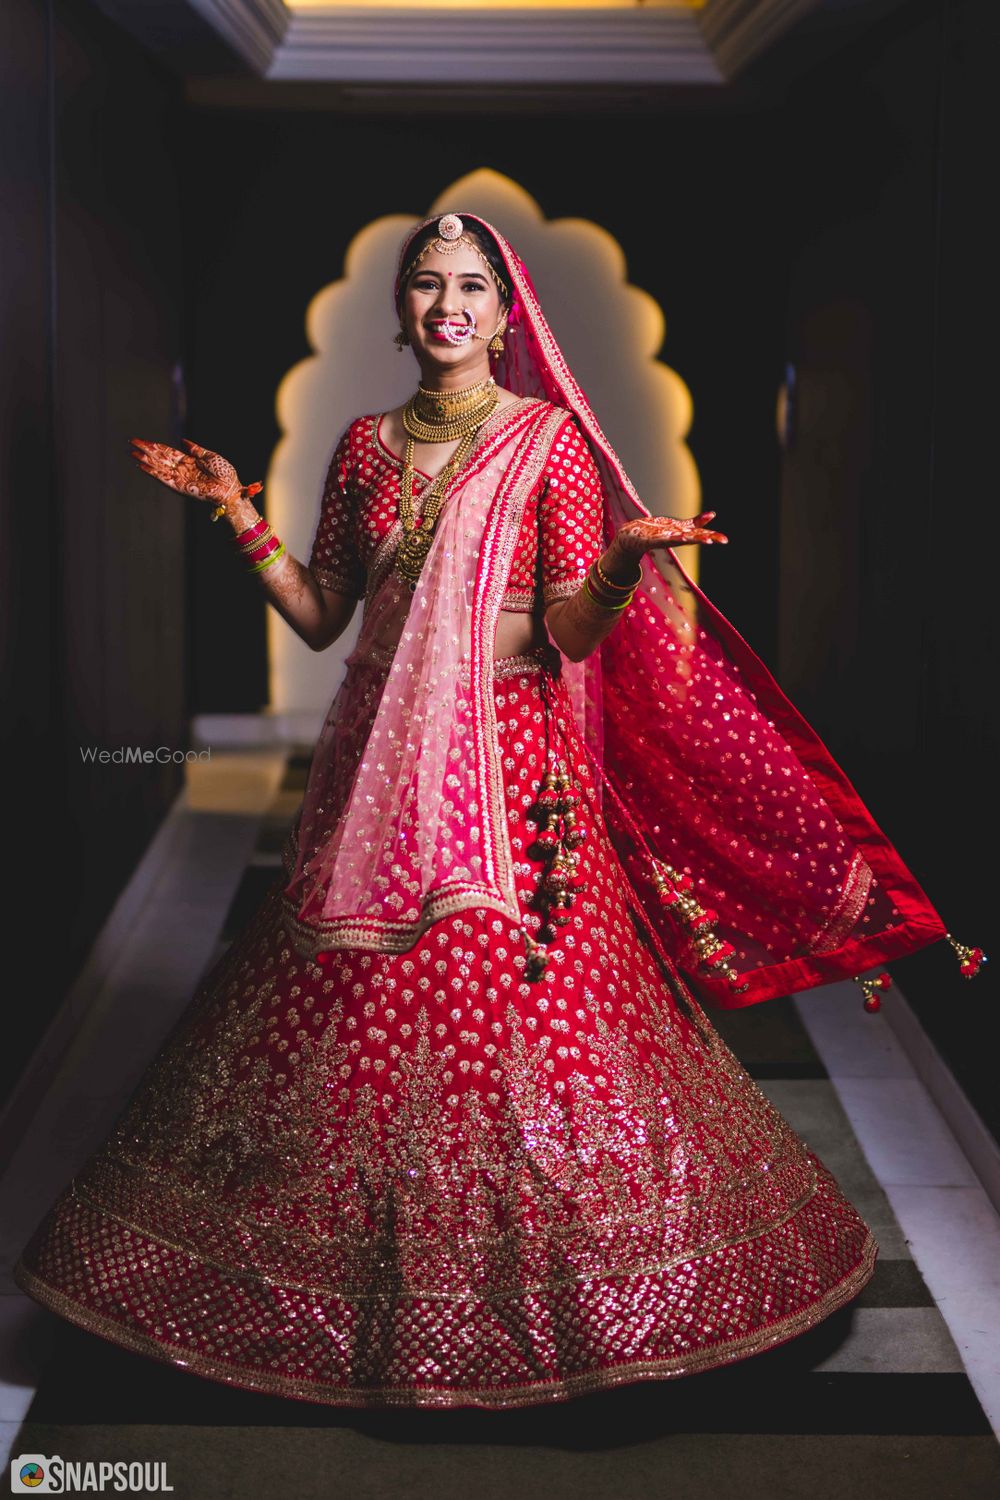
x=436 y=417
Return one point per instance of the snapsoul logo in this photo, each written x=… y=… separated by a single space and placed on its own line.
x=48 y=1474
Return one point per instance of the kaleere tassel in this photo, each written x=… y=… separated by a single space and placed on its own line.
x=970 y=960
x=538 y=958
x=560 y=833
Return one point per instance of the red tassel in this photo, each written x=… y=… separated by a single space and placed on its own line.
x=870 y=988
x=970 y=960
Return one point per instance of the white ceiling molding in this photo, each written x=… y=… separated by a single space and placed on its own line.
x=364 y=44
x=737 y=31
x=409 y=42
x=253 y=28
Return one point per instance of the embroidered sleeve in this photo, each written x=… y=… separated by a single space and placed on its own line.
x=570 y=514
x=335 y=561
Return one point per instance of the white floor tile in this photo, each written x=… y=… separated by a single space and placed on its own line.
x=903 y=1134
x=954 y=1234
x=8 y=1436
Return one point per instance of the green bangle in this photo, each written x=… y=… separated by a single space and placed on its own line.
x=271 y=558
x=611 y=609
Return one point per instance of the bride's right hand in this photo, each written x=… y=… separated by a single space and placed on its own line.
x=199 y=472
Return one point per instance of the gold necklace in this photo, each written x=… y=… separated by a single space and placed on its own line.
x=443 y=416
x=463 y=393
x=416 y=540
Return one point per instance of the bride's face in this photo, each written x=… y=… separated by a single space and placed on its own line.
x=434 y=303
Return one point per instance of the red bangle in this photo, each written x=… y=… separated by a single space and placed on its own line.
x=251 y=531
x=256 y=541
x=264 y=551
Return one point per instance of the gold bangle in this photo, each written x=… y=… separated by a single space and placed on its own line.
x=611 y=609
x=604 y=597
x=619 y=588
x=255 y=542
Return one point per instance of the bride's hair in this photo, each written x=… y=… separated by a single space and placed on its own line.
x=483 y=239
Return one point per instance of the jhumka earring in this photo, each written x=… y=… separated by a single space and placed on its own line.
x=402 y=337
x=495 y=345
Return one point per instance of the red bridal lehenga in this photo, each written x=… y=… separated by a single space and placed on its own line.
x=399 y=1151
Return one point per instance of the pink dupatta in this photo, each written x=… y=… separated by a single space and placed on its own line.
x=423 y=831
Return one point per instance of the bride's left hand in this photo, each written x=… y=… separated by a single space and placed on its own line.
x=633 y=540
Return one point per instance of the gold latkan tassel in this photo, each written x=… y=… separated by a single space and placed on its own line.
x=970 y=960
x=674 y=889
x=538 y=958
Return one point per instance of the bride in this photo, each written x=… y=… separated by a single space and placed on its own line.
x=448 y=1124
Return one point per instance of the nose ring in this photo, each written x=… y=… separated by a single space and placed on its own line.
x=461 y=335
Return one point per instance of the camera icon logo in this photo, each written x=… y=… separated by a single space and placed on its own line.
x=30 y=1474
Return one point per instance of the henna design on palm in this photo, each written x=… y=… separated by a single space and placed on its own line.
x=635 y=538
x=199 y=472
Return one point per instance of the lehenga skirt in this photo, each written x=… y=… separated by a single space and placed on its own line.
x=421 y=1180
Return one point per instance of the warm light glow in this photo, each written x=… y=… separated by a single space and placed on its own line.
x=611 y=333
x=316 y=6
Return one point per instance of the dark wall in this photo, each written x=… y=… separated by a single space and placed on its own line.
x=92 y=563
x=27 y=585
x=888 y=634
x=691 y=195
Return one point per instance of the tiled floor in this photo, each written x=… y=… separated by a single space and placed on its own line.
x=898 y=1391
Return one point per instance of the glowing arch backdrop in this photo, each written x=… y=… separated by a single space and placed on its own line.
x=610 y=332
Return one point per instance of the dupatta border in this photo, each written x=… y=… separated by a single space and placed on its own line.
x=503 y=527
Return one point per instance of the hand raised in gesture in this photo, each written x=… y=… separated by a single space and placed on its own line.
x=198 y=472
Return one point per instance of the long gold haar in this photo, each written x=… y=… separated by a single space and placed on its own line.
x=436 y=417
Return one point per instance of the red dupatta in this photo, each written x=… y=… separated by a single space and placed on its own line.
x=755 y=860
